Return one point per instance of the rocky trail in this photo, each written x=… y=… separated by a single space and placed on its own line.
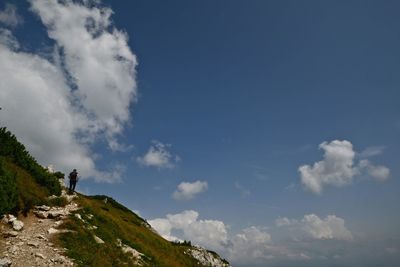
x=26 y=241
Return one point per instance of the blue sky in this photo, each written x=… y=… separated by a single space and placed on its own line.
x=221 y=102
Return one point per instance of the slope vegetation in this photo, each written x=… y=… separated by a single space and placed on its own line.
x=100 y=232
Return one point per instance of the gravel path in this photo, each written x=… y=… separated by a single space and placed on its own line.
x=32 y=245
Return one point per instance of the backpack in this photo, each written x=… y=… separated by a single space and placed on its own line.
x=73 y=175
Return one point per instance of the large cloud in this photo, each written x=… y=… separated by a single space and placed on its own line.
x=187 y=190
x=82 y=94
x=338 y=167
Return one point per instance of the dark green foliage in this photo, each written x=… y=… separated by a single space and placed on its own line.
x=59 y=175
x=8 y=191
x=23 y=182
x=11 y=149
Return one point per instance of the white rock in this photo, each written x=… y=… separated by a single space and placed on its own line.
x=8 y=218
x=53 y=231
x=56 y=214
x=17 y=225
x=40 y=214
x=39 y=255
x=98 y=239
x=43 y=208
x=58 y=223
x=207 y=258
x=132 y=251
x=77 y=215
x=4 y=262
x=92 y=227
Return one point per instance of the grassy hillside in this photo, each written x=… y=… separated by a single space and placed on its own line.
x=24 y=184
x=114 y=222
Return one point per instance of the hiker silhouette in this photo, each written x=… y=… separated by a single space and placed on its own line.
x=73 y=178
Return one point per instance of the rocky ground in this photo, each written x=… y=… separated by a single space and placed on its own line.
x=30 y=245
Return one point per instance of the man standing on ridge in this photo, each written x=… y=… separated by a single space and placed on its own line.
x=73 y=178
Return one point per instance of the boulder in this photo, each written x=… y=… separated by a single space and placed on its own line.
x=8 y=218
x=40 y=214
x=17 y=225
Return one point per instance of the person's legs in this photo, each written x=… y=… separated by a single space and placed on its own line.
x=70 y=186
x=73 y=186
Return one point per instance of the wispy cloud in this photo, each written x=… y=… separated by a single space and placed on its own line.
x=371 y=151
x=9 y=16
x=244 y=192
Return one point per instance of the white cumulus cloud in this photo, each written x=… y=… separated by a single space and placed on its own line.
x=82 y=94
x=304 y=238
x=158 y=156
x=211 y=234
x=9 y=16
x=338 y=168
x=312 y=226
x=252 y=244
x=187 y=190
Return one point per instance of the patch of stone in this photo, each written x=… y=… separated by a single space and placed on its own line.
x=133 y=253
x=10 y=234
x=17 y=225
x=8 y=218
x=5 y=262
x=206 y=258
x=98 y=239
x=43 y=208
x=29 y=245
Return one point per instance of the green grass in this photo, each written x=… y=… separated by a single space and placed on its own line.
x=114 y=221
x=30 y=193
